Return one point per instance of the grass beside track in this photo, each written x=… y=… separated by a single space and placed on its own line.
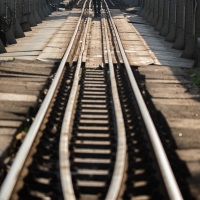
x=195 y=76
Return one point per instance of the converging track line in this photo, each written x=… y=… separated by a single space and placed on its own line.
x=93 y=131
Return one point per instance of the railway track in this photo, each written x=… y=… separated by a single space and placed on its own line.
x=93 y=137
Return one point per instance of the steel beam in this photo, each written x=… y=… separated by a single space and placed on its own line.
x=197 y=33
x=165 y=28
x=180 y=25
x=140 y=11
x=189 y=29
x=172 y=22
x=147 y=9
x=39 y=10
x=149 y=18
x=156 y=12
x=35 y=11
x=32 y=20
x=159 y=24
x=2 y=47
x=7 y=14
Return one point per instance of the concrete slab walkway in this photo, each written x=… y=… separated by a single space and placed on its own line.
x=30 y=46
x=161 y=51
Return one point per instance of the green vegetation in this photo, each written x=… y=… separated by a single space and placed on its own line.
x=195 y=76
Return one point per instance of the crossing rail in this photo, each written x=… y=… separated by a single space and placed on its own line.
x=84 y=118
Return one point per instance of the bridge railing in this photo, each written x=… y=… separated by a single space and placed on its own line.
x=178 y=21
x=18 y=16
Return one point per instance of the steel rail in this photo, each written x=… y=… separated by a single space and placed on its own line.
x=12 y=176
x=163 y=162
x=120 y=161
x=111 y=2
x=66 y=179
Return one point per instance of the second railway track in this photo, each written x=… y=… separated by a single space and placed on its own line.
x=94 y=138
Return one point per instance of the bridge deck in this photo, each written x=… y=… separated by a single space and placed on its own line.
x=166 y=78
